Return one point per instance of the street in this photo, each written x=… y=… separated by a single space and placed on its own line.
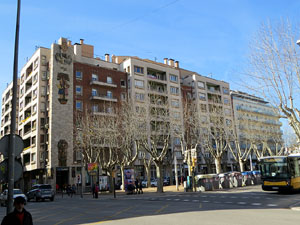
x=240 y=206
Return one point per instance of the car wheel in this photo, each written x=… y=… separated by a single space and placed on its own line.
x=52 y=199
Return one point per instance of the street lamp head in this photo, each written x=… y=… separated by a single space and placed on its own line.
x=298 y=42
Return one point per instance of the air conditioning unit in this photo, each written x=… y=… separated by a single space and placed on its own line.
x=47 y=126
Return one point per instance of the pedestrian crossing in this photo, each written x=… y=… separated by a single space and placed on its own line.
x=249 y=200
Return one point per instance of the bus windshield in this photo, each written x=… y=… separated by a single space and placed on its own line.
x=274 y=168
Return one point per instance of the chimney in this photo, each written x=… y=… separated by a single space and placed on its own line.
x=81 y=41
x=166 y=61
x=113 y=58
x=69 y=43
x=117 y=60
x=107 y=57
x=171 y=62
x=176 y=64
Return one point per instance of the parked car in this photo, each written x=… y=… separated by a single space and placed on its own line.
x=144 y=183
x=166 y=181
x=41 y=192
x=17 y=193
x=153 y=183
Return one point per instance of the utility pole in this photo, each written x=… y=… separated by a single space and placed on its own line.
x=12 y=142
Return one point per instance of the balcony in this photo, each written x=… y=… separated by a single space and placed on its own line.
x=95 y=82
x=104 y=98
x=96 y=113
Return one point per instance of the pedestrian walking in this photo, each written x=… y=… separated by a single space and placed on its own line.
x=19 y=216
x=96 y=190
x=93 y=190
x=140 y=187
x=136 y=186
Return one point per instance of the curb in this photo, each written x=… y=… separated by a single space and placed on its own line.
x=295 y=207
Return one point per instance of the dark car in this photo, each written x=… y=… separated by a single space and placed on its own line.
x=40 y=192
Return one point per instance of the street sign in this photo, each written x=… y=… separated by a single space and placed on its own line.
x=4 y=145
x=3 y=170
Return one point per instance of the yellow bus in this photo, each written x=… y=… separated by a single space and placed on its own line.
x=280 y=173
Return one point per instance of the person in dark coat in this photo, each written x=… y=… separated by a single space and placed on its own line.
x=19 y=216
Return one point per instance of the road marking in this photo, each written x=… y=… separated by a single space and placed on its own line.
x=272 y=205
x=241 y=203
x=223 y=197
x=204 y=201
x=168 y=199
x=186 y=200
x=161 y=209
x=195 y=200
x=176 y=199
x=203 y=196
x=233 y=197
x=256 y=203
x=62 y=221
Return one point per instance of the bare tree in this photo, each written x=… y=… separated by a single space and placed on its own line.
x=156 y=141
x=274 y=69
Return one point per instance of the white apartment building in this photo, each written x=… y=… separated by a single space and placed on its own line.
x=255 y=120
x=209 y=93
x=7 y=108
x=155 y=85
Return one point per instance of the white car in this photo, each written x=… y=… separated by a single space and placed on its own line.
x=17 y=193
x=154 y=183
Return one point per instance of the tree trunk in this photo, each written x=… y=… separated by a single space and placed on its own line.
x=148 y=172
x=111 y=183
x=159 y=175
x=218 y=165
x=122 y=177
x=241 y=163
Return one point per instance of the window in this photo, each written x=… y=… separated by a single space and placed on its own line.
x=44 y=60
x=79 y=105
x=203 y=119
x=34 y=108
x=173 y=78
x=94 y=108
x=227 y=112
x=109 y=94
x=201 y=85
x=78 y=75
x=123 y=96
x=228 y=122
x=43 y=90
x=226 y=101
x=109 y=110
x=176 y=115
x=36 y=63
x=43 y=106
x=44 y=75
x=35 y=78
x=33 y=157
x=94 y=92
x=123 y=84
x=225 y=90
x=22 y=92
x=139 y=83
x=109 y=80
x=78 y=90
x=203 y=108
x=139 y=96
x=22 y=78
x=138 y=69
x=94 y=77
x=177 y=141
x=21 y=105
x=175 y=103
x=202 y=96
x=174 y=90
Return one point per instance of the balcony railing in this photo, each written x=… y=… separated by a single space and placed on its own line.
x=96 y=82
x=104 y=98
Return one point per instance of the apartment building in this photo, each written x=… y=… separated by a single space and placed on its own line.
x=155 y=86
x=212 y=99
x=255 y=121
x=56 y=83
x=7 y=108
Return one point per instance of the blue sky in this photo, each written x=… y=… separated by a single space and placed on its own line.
x=209 y=37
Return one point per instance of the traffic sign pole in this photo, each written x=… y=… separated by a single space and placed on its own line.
x=11 y=156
